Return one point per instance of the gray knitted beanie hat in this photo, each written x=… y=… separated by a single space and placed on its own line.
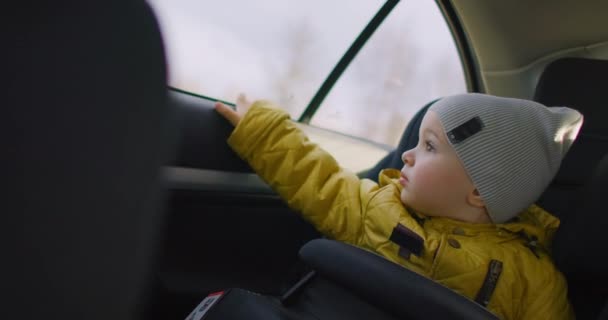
x=510 y=148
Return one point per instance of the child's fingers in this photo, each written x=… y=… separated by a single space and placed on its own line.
x=242 y=99
x=232 y=116
x=242 y=104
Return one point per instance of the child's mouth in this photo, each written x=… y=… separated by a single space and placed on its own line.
x=403 y=179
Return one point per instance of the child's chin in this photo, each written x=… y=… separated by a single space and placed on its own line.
x=406 y=200
x=403 y=198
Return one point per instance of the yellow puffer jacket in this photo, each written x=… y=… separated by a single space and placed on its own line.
x=505 y=265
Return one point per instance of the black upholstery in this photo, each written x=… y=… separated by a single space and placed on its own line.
x=387 y=285
x=579 y=249
x=196 y=139
x=86 y=132
x=350 y=283
x=322 y=299
x=580 y=84
x=604 y=313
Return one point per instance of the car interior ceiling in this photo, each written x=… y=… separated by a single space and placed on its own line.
x=91 y=122
x=513 y=41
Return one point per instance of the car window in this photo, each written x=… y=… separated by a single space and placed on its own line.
x=283 y=50
x=277 y=50
x=409 y=61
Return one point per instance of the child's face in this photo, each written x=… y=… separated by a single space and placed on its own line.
x=433 y=178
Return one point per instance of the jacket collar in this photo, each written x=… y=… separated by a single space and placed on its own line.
x=534 y=224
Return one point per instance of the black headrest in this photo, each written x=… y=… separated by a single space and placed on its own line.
x=86 y=132
x=580 y=84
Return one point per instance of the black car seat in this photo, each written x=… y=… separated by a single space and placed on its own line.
x=577 y=250
x=577 y=83
x=86 y=129
x=346 y=283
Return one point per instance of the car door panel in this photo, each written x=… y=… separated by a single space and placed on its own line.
x=202 y=135
x=226 y=227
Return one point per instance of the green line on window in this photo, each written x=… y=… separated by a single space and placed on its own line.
x=200 y=96
x=346 y=59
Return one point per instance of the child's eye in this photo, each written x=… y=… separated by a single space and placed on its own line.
x=429 y=146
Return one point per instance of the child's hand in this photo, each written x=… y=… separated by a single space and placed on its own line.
x=234 y=116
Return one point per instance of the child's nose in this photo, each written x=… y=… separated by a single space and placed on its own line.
x=408 y=157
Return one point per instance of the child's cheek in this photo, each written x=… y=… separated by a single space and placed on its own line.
x=428 y=178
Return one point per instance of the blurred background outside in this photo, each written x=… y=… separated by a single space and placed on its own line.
x=283 y=50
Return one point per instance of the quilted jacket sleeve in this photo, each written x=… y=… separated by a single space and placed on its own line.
x=303 y=174
x=547 y=298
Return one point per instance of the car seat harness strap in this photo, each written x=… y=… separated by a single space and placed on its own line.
x=408 y=240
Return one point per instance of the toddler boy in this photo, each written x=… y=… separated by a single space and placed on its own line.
x=461 y=210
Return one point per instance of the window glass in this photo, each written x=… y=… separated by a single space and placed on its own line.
x=409 y=61
x=280 y=50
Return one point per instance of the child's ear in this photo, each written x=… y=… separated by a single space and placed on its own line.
x=475 y=200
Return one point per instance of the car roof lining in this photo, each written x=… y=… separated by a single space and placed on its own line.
x=514 y=40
